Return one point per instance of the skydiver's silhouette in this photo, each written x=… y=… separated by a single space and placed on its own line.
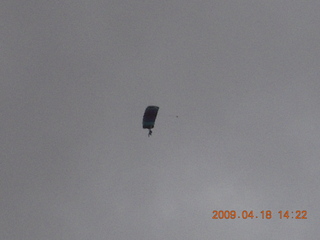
x=150 y=133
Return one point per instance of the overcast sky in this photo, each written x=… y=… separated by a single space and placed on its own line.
x=243 y=77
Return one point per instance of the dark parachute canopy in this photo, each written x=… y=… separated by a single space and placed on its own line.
x=149 y=118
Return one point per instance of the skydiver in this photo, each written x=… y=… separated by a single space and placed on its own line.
x=150 y=133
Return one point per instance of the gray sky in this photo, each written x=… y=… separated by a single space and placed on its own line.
x=76 y=76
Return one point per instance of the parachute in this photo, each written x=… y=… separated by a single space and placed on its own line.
x=149 y=118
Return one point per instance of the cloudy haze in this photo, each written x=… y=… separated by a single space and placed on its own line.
x=76 y=76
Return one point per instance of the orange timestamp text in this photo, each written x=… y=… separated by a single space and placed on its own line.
x=264 y=214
